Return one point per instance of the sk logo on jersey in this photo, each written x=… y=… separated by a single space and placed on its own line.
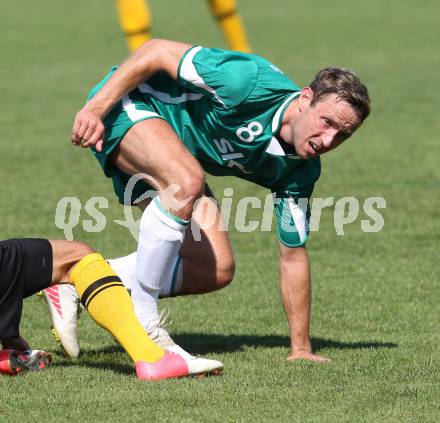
x=245 y=134
x=229 y=154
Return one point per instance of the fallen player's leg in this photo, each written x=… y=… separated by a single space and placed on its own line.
x=109 y=304
x=30 y=265
x=160 y=336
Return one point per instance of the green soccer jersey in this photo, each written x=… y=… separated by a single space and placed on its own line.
x=227 y=108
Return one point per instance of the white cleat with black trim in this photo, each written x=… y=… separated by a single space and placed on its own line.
x=196 y=365
x=64 y=308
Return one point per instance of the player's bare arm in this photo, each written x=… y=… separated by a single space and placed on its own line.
x=295 y=287
x=153 y=56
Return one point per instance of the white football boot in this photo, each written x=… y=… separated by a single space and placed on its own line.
x=196 y=365
x=64 y=308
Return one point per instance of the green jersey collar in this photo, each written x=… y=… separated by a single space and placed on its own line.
x=278 y=117
x=274 y=146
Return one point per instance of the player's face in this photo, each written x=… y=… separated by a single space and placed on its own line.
x=323 y=126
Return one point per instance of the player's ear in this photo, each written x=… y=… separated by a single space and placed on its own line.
x=305 y=97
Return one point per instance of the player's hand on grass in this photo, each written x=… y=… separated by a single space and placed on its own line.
x=308 y=356
x=88 y=129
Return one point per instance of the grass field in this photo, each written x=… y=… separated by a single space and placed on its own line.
x=376 y=309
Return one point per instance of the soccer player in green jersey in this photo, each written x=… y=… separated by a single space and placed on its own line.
x=173 y=111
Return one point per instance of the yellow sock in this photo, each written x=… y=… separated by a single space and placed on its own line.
x=231 y=24
x=109 y=304
x=135 y=20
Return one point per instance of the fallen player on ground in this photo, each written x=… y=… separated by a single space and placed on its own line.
x=30 y=265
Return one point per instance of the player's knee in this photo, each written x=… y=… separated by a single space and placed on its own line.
x=192 y=184
x=69 y=251
x=81 y=249
x=67 y=254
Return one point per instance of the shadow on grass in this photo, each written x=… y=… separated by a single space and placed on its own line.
x=109 y=365
x=103 y=359
x=214 y=343
x=202 y=343
x=321 y=343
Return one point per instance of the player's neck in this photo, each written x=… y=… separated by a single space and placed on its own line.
x=287 y=123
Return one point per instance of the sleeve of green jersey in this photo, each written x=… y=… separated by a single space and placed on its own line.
x=226 y=77
x=292 y=213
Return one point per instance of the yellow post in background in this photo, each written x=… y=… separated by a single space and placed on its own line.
x=230 y=22
x=135 y=20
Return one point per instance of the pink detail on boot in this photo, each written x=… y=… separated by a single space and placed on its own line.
x=169 y=366
x=54 y=296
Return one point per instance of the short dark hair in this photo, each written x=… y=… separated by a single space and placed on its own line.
x=346 y=85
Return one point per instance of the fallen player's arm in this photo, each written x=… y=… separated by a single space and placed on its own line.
x=295 y=287
x=150 y=58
